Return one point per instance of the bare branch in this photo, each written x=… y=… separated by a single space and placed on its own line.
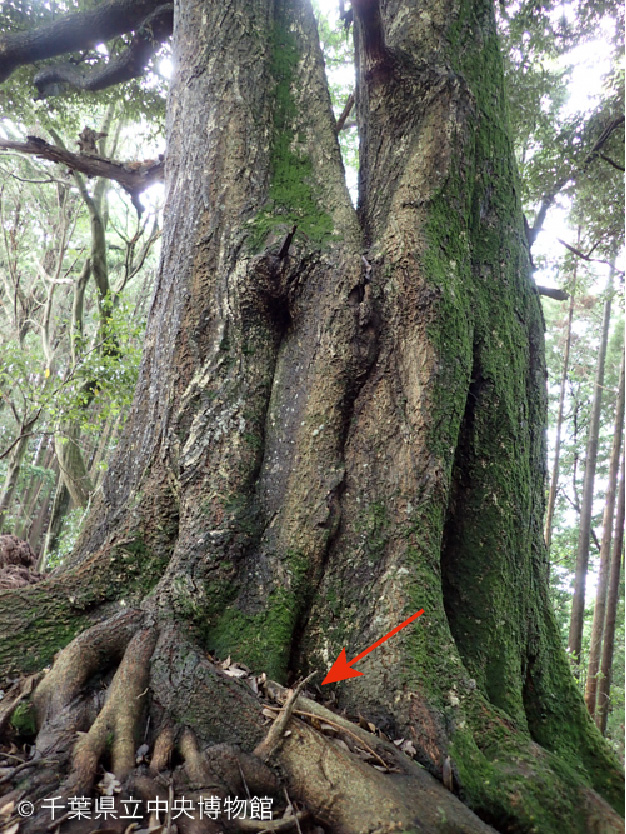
x=558 y=295
x=608 y=130
x=266 y=748
x=25 y=431
x=134 y=177
x=611 y=162
x=587 y=257
x=345 y=113
x=47 y=181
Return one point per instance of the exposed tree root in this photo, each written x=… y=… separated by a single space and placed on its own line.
x=163 y=749
x=351 y=795
x=61 y=708
x=120 y=716
x=197 y=771
x=284 y=825
x=97 y=648
x=340 y=776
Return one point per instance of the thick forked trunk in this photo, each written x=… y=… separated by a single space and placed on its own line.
x=339 y=420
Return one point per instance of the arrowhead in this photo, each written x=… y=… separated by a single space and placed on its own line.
x=341 y=670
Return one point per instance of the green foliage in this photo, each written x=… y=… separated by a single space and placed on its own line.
x=68 y=369
x=570 y=149
x=23 y=719
x=103 y=380
x=563 y=142
x=144 y=99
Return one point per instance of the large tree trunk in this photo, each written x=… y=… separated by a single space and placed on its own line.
x=339 y=420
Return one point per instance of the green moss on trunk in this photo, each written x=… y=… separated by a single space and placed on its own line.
x=293 y=199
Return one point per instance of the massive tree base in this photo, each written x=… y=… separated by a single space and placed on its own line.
x=138 y=699
x=207 y=735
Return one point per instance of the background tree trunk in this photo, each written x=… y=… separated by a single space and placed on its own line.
x=597 y=630
x=41 y=460
x=58 y=510
x=577 y=616
x=16 y=457
x=554 y=480
x=608 y=647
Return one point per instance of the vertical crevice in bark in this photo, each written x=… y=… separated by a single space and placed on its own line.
x=366 y=346
x=457 y=597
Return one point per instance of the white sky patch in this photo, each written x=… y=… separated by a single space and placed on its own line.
x=329 y=8
x=590 y=61
x=166 y=67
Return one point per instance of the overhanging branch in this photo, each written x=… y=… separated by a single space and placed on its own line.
x=550 y=292
x=131 y=63
x=587 y=257
x=604 y=136
x=73 y=32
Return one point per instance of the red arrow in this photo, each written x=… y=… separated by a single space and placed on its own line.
x=341 y=668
